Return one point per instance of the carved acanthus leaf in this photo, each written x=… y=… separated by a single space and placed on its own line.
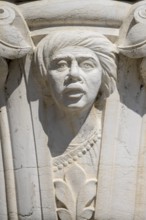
x=15 y=40
x=64 y=194
x=76 y=193
x=75 y=177
x=86 y=196
x=64 y=214
x=86 y=213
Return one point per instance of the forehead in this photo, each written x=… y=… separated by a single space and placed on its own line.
x=74 y=52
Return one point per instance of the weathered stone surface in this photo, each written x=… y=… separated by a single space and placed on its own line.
x=72 y=110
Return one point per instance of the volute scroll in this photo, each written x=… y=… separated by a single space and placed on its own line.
x=15 y=40
x=132 y=37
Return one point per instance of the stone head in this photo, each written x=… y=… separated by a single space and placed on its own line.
x=77 y=67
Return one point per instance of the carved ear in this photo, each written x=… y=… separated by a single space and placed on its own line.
x=15 y=40
x=132 y=40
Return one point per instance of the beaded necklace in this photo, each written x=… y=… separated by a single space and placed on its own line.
x=74 y=152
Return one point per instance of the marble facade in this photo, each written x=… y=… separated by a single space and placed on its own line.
x=72 y=110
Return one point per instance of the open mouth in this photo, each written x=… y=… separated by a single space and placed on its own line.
x=74 y=91
x=74 y=95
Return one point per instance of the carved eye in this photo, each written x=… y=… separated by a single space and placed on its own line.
x=62 y=65
x=87 y=65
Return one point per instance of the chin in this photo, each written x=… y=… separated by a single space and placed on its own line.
x=73 y=108
x=74 y=105
x=77 y=107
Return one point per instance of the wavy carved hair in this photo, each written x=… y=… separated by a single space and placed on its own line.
x=100 y=45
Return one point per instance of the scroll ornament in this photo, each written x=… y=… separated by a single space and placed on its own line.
x=132 y=37
x=15 y=40
x=132 y=40
x=76 y=196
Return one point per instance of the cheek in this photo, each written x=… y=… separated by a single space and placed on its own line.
x=56 y=82
x=56 y=76
x=94 y=80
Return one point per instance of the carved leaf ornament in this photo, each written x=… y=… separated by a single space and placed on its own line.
x=76 y=194
x=15 y=41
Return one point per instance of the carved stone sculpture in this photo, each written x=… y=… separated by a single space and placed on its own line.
x=72 y=117
x=74 y=66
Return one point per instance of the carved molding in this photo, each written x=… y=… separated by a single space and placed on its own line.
x=46 y=13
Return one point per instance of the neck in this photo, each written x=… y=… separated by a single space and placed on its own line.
x=70 y=127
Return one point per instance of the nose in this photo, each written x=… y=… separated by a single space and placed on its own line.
x=74 y=70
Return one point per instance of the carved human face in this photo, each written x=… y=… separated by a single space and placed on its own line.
x=75 y=77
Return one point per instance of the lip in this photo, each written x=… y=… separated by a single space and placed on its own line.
x=74 y=90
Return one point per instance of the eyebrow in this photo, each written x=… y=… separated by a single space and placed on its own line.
x=67 y=57
x=57 y=58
